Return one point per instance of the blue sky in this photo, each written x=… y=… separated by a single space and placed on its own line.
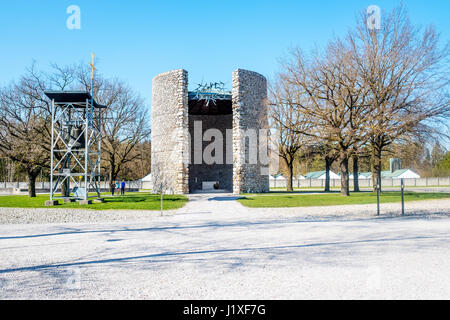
x=136 y=40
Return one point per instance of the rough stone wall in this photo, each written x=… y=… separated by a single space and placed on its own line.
x=211 y=172
x=170 y=142
x=249 y=96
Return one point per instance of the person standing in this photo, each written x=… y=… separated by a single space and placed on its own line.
x=117 y=187
x=122 y=188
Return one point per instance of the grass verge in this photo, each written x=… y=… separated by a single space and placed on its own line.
x=131 y=201
x=318 y=200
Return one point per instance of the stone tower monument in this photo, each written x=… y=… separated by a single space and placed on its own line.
x=202 y=140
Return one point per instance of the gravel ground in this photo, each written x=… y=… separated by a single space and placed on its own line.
x=214 y=248
x=61 y=215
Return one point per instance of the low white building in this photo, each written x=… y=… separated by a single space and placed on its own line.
x=321 y=175
x=400 y=174
x=147 y=181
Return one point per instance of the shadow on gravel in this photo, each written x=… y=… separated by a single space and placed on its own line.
x=388 y=241
x=261 y=223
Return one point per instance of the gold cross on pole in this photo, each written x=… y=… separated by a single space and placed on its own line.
x=92 y=66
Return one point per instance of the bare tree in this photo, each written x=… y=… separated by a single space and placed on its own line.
x=326 y=152
x=126 y=127
x=21 y=130
x=333 y=98
x=406 y=74
x=290 y=123
x=141 y=165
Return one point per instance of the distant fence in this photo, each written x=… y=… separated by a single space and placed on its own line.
x=320 y=183
x=44 y=186
x=297 y=183
x=146 y=185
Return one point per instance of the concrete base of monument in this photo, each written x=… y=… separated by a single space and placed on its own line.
x=85 y=202
x=212 y=191
x=51 y=203
x=99 y=200
x=68 y=200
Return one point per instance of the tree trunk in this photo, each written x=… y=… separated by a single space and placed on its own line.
x=290 y=176
x=161 y=202
x=32 y=183
x=65 y=189
x=112 y=180
x=328 y=163
x=65 y=192
x=376 y=167
x=343 y=164
x=372 y=170
x=355 y=174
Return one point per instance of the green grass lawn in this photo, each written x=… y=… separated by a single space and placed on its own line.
x=131 y=201
x=312 y=200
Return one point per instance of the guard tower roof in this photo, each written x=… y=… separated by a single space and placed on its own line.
x=71 y=97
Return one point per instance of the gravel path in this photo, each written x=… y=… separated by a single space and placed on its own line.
x=214 y=248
